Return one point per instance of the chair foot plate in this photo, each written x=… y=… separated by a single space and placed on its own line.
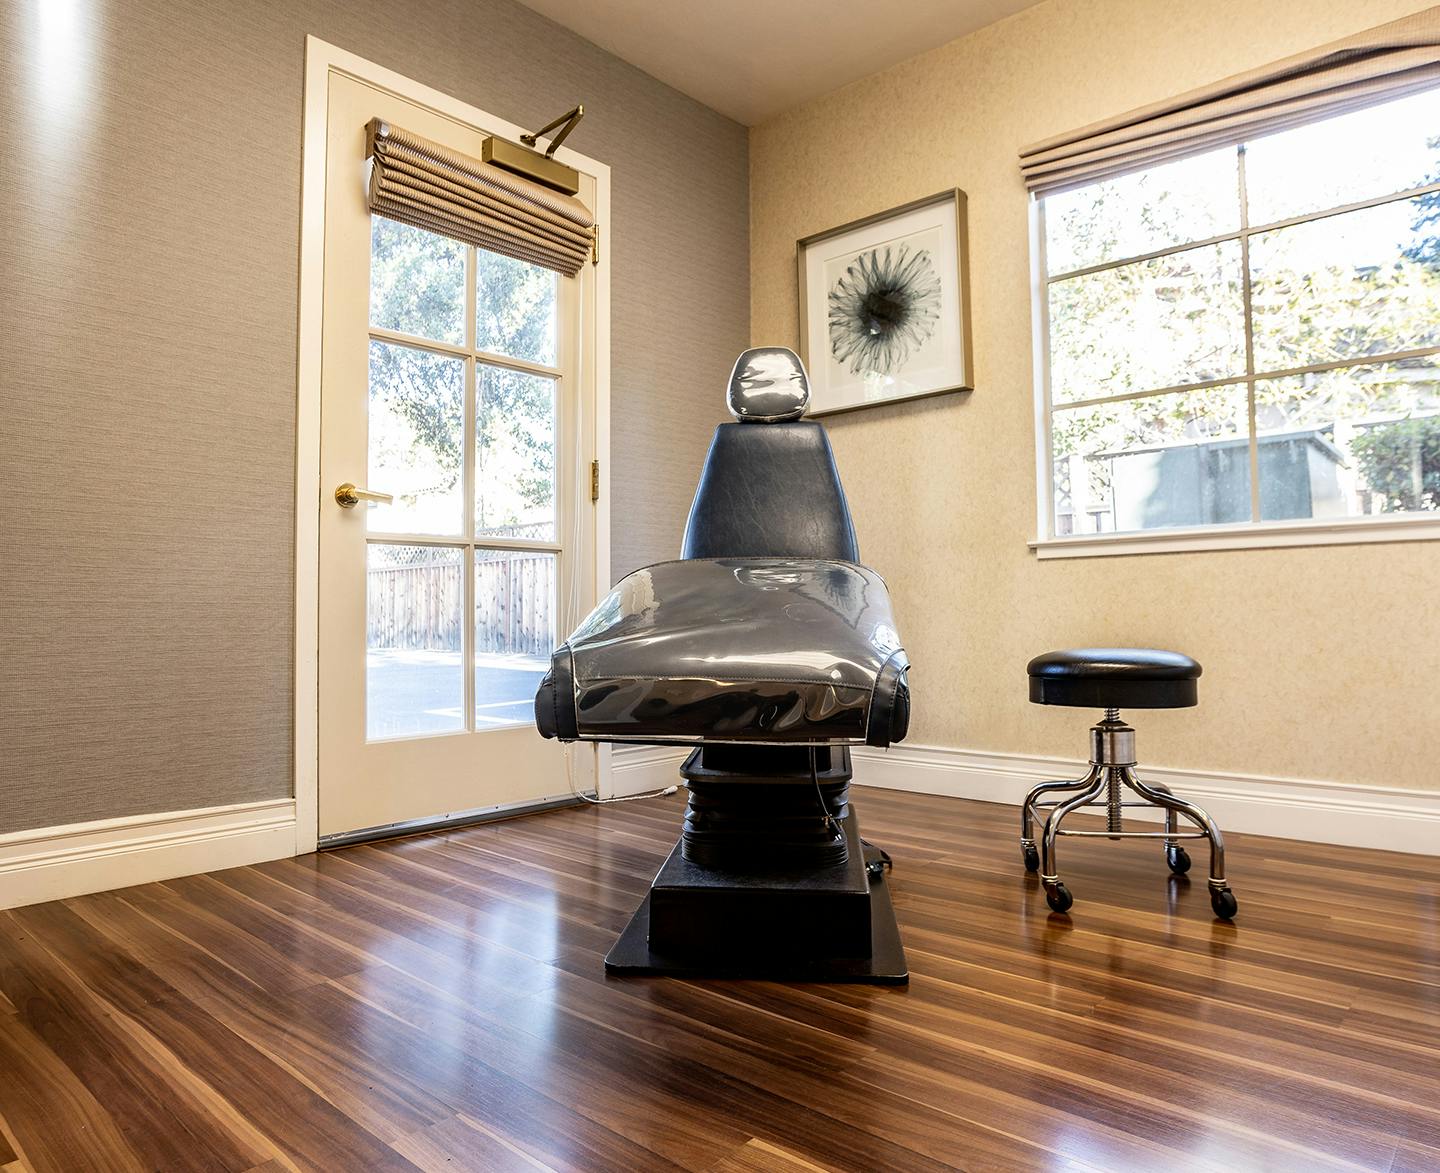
x=631 y=955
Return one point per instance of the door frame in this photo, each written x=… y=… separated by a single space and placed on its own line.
x=321 y=60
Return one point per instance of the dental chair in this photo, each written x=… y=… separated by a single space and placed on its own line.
x=771 y=650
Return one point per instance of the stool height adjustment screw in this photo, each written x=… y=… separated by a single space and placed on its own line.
x=1114 y=799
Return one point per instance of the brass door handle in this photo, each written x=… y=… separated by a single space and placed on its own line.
x=347 y=496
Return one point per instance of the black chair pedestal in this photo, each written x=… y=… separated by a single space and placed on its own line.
x=770 y=878
x=771 y=806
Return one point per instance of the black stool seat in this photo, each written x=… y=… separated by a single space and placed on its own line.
x=1114 y=678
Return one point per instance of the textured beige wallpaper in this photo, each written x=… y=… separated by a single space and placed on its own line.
x=1319 y=663
x=148 y=274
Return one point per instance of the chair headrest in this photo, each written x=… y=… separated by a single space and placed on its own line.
x=768 y=384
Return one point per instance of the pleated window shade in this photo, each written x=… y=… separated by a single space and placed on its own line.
x=426 y=185
x=1387 y=62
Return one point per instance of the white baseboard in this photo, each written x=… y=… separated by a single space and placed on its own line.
x=1291 y=808
x=634 y=769
x=54 y=863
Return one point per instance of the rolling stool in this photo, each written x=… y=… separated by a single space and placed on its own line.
x=1112 y=679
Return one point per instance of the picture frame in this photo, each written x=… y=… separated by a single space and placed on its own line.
x=884 y=305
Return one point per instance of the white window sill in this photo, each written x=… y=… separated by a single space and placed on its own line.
x=1248 y=536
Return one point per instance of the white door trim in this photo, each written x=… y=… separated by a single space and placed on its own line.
x=322 y=59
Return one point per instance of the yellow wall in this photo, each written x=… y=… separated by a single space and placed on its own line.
x=1320 y=663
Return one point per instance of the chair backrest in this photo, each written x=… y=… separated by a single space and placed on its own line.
x=769 y=488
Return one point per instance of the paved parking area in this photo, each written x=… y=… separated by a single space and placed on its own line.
x=410 y=692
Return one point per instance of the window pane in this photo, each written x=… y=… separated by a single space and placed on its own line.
x=1374 y=152
x=1167 y=460
x=514 y=633
x=417 y=437
x=516 y=308
x=414 y=677
x=1193 y=199
x=515 y=455
x=1351 y=442
x=1159 y=323
x=1349 y=286
x=417 y=281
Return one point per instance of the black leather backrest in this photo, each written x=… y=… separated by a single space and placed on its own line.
x=770 y=491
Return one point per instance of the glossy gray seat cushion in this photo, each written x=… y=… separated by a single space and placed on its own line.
x=762 y=650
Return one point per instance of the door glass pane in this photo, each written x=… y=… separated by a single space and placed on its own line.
x=417 y=436
x=515 y=455
x=1374 y=152
x=1143 y=212
x=514 y=633
x=1167 y=460
x=1351 y=442
x=1138 y=327
x=1348 y=286
x=417 y=282
x=414 y=675
x=516 y=308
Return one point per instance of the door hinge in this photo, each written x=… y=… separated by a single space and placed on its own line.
x=594 y=480
x=595 y=246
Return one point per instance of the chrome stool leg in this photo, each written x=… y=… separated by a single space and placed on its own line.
x=1056 y=894
x=1112 y=767
x=1222 y=899
x=1176 y=857
x=1028 y=850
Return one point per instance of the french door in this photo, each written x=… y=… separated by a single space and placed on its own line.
x=457 y=534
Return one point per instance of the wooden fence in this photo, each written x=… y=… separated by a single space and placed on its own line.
x=514 y=604
x=420 y=607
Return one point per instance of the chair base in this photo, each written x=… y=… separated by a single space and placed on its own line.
x=1111 y=774
x=834 y=924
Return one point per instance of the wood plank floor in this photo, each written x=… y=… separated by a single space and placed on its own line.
x=439 y=1003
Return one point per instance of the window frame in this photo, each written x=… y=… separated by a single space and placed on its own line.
x=1254 y=533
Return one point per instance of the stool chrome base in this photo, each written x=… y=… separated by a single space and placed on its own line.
x=1111 y=773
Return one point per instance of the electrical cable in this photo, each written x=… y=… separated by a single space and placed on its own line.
x=570 y=612
x=594 y=801
x=820 y=794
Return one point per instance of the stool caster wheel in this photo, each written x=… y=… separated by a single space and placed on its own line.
x=1222 y=900
x=1058 y=896
x=1031 y=855
x=1178 y=859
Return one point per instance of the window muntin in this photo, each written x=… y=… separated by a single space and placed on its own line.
x=1207 y=366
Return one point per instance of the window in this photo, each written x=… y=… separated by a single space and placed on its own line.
x=460 y=397
x=1249 y=335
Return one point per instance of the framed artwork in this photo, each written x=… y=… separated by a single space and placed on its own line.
x=885 y=306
